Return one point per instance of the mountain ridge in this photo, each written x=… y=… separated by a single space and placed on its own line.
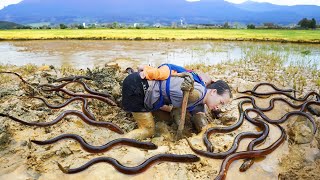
x=152 y=11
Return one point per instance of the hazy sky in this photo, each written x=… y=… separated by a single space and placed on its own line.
x=8 y=2
x=282 y=2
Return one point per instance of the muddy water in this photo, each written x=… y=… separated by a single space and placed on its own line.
x=82 y=54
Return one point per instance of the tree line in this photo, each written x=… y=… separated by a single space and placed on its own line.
x=302 y=24
x=308 y=24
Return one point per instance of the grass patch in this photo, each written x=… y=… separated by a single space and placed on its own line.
x=262 y=65
x=29 y=69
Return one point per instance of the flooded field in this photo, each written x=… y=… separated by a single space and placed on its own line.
x=241 y=64
x=87 y=53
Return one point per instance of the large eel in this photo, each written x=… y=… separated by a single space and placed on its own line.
x=109 y=125
x=250 y=154
x=85 y=109
x=136 y=169
x=98 y=149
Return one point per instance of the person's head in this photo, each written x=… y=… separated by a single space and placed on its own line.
x=218 y=94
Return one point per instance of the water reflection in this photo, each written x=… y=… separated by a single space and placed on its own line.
x=82 y=54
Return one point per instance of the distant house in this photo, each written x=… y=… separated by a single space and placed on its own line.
x=140 y=25
x=291 y=26
x=157 y=25
x=269 y=25
x=208 y=26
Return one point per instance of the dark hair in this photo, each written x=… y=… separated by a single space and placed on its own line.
x=221 y=87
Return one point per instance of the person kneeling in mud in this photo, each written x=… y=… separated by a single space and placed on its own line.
x=153 y=88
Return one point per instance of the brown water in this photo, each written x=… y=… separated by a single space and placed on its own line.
x=87 y=53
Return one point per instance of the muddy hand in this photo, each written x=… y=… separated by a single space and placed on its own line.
x=188 y=83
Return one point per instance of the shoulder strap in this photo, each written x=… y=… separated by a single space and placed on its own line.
x=161 y=100
x=179 y=69
x=197 y=78
x=191 y=108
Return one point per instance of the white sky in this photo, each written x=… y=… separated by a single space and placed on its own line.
x=283 y=2
x=280 y=2
x=4 y=3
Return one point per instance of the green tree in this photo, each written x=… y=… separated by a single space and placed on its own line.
x=313 y=23
x=44 y=27
x=25 y=27
x=92 y=26
x=114 y=25
x=304 y=23
x=63 y=26
x=80 y=26
x=226 y=25
x=251 y=26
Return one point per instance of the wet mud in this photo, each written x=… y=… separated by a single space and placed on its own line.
x=21 y=159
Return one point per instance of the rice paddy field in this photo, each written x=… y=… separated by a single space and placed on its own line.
x=299 y=36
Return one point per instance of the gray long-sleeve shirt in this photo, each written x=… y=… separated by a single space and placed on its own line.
x=153 y=93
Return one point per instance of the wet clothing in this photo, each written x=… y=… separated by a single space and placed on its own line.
x=176 y=95
x=142 y=95
x=161 y=73
x=133 y=90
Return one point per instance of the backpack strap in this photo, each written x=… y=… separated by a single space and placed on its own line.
x=161 y=99
x=169 y=78
x=191 y=108
x=179 y=69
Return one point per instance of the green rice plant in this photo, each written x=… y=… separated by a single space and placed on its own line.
x=314 y=74
x=317 y=82
x=294 y=83
x=200 y=67
x=316 y=78
x=67 y=69
x=29 y=69
x=2 y=67
x=306 y=52
x=4 y=79
x=302 y=81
